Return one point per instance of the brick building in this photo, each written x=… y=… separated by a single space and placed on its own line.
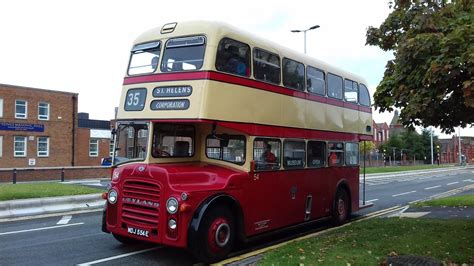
x=40 y=128
x=381 y=133
x=449 y=149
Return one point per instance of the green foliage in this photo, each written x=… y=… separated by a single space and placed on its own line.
x=41 y=190
x=412 y=144
x=431 y=78
x=367 y=146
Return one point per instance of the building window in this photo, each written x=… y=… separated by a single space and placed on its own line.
x=352 y=153
x=43 y=111
x=1 y=107
x=21 y=109
x=266 y=66
x=19 y=146
x=293 y=74
x=316 y=154
x=111 y=148
x=233 y=57
x=293 y=154
x=93 y=147
x=43 y=147
x=1 y=146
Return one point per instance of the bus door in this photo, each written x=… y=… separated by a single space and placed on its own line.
x=271 y=192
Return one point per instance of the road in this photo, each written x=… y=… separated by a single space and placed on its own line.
x=77 y=239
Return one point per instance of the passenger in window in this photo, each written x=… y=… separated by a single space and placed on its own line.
x=268 y=157
x=333 y=159
x=235 y=64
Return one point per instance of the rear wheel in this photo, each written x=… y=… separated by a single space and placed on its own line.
x=216 y=235
x=341 y=207
x=125 y=240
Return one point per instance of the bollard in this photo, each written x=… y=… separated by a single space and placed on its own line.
x=14 y=175
x=62 y=174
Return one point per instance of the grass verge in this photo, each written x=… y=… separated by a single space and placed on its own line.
x=370 y=242
x=390 y=169
x=456 y=201
x=41 y=190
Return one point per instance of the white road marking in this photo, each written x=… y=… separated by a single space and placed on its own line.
x=65 y=219
x=449 y=184
x=405 y=193
x=467 y=180
x=413 y=214
x=428 y=188
x=118 y=256
x=39 y=229
x=399 y=212
x=372 y=200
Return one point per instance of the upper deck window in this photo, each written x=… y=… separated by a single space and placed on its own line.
x=351 y=89
x=364 y=97
x=315 y=81
x=184 y=54
x=145 y=58
x=334 y=86
x=266 y=66
x=293 y=74
x=233 y=57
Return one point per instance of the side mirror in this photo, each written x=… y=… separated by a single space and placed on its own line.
x=113 y=131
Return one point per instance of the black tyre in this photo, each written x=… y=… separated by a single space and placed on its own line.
x=125 y=240
x=216 y=235
x=341 y=209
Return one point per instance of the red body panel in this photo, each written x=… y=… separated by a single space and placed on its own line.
x=269 y=200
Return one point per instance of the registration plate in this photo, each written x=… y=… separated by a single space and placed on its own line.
x=138 y=232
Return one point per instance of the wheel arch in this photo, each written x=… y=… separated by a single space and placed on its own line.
x=212 y=201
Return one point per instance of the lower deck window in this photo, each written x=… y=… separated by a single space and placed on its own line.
x=229 y=148
x=352 y=153
x=266 y=153
x=336 y=153
x=294 y=154
x=316 y=154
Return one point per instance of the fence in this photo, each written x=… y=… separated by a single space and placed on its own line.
x=15 y=175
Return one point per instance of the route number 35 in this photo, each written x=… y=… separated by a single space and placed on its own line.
x=135 y=100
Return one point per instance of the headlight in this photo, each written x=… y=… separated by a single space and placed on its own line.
x=112 y=196
x=115 y=174
x=172 y=224
x=172 y=205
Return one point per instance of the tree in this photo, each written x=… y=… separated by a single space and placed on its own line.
x=368 y=146
x=431 y=78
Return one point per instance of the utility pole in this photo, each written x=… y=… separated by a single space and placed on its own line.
x=459 y=149
x=394 y=155
x=432 y=159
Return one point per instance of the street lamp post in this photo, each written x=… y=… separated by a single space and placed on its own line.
x=304 y=31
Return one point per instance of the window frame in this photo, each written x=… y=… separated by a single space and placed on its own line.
x=346 y=157
x=38 y=146
x=303 y=89
x=325 y=153
x=165 y=47
x=44 y=117
x=254 y=68
x=26 y=110
x=194 y=140
x=23 y=153
x=249 y=66
x=1 y=146
x=324 y=81
x=230 y=137
x=1 y=107
x=343 y=160
x=91 y=153
x=304 y=157
x=280 y=149
x=366 y=90
x=134 y=51
x=352 y=86
x=342 y=88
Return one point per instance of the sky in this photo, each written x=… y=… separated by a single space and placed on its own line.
x=84 y=46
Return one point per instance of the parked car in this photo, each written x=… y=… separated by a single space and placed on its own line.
x=107 y=161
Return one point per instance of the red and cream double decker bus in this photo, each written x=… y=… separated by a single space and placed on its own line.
x=230 y=137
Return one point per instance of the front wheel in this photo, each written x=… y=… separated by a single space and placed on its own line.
x=215 y=237
x=341 y=207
